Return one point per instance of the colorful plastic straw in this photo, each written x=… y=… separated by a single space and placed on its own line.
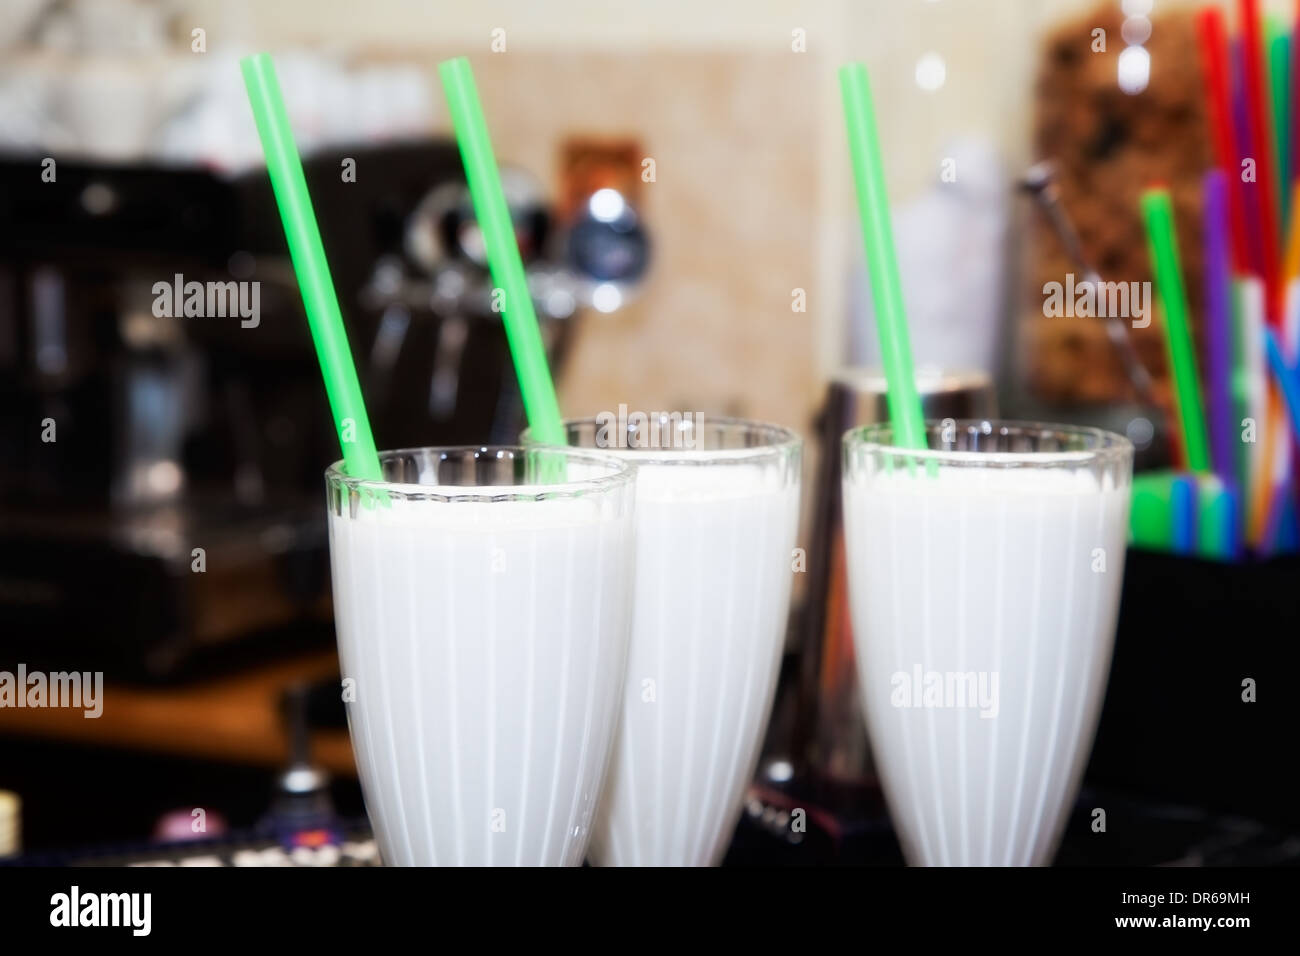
x=1182 y=501
x=504 y=262
x=1218 y=324
x=1281 y=514
x=1184 y=513
x=1250 y=330
x=905 y=415
x=1242 y=289
x=1286 y=379
x=1284 y=535
x=1292 y=113
x=1158 y=215
x=1279 y=76
x=1261 y=220
x=1217 y=527
x=1291 y=350
x=1291 y=264
x=309 y=264
x=1264 y=188
x=1214 y=67
x=1254 y=248
x=1151 y=515
x=1272 y=445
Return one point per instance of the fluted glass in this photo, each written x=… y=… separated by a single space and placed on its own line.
x=716 y=526
x=482 y=603
x=984 y=581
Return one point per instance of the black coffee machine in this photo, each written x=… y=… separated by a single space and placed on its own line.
x=160 y=477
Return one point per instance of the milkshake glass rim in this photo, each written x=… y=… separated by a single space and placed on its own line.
x=1105 y=446
x=776 y=442
x=617 y=473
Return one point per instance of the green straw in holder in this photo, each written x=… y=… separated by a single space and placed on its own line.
x=309 y=264
x=1162 y=242
x=905 y=416
x=504 y=262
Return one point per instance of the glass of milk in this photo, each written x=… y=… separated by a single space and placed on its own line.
x=717 y=510
x=482 y=599
x=984 y=579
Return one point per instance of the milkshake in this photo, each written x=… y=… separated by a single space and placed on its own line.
x=715 y=528
x=984 y=581
x=482 y=601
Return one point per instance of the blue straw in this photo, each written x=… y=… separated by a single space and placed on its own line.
x=1286 y=537
x=1282 y=517
x=1286 y=379
x=1233 y=523
x=1182 y=495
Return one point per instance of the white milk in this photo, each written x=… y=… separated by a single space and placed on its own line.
x=712 y=593
x=487 y=642
x=995 y=574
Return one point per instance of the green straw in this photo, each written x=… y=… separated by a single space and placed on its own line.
x=1279 y=78
x=318 y=298
x=1215 y=519
x=507 y=268
x=1151 y=517
x=905 y=416
x=1163 y=244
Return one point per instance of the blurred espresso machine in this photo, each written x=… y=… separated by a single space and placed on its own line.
x=160 y=473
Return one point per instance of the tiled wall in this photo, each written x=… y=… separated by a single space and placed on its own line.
x=730 y=213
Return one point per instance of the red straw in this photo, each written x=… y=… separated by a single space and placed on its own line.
x=1265 y=185
x=1214 y=63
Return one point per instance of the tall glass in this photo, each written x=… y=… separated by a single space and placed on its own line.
x=482 y=601
x=984 y=579
x=717 y=510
